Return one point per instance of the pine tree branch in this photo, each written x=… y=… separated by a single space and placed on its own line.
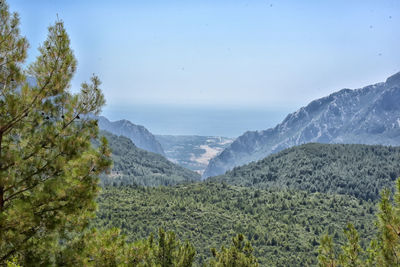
x=10 y=197
x=3 y=168
x=6 y=36
x=1 y=198
x=25 y=112
x=52 y=209
x=30 y=232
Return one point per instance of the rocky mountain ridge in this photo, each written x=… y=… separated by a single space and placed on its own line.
x=139 y=135
x=370 y=115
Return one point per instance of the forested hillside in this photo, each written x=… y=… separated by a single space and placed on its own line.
x=358 y=170
x=283 y=226
x=133 y=165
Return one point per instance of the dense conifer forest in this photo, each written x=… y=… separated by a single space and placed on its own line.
x=352 y=169
x=283 y=226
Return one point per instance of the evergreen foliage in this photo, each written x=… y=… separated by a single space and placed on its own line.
x=133 y=165
x=238 y=255
x=48 y=169
x=109 y=248
x=283 y=226
x=357 y=170
x=326 y=253
x=351 y=250
x=384 y=249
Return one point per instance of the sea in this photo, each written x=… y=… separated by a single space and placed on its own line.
x=196 y=120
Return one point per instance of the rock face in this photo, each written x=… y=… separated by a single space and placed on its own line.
x=139 y=135
x=370 y=115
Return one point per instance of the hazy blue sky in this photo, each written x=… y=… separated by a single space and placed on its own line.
x=274 y=56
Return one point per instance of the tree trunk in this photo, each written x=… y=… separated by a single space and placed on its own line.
x=1 y=185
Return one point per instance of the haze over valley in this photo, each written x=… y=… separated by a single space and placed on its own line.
x=369 y=115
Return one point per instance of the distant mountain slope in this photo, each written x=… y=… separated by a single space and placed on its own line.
x=140 y=136
x=133 y=165
x=358 y=170
x=192 y=151
x=370 y=115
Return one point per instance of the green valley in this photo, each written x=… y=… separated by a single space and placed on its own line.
x=192 y=151
x=133 y=165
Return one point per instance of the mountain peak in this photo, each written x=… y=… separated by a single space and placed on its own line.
x=394 y=79
x=140 y=136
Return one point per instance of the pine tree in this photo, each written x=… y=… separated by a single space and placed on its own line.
x=109 y=248
x=95 y=248
x=170 y=252
x=388 y=241
x=384 y=250
x=48 y=168
x=240 y=254
x=352 y=252
x=326 y=253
